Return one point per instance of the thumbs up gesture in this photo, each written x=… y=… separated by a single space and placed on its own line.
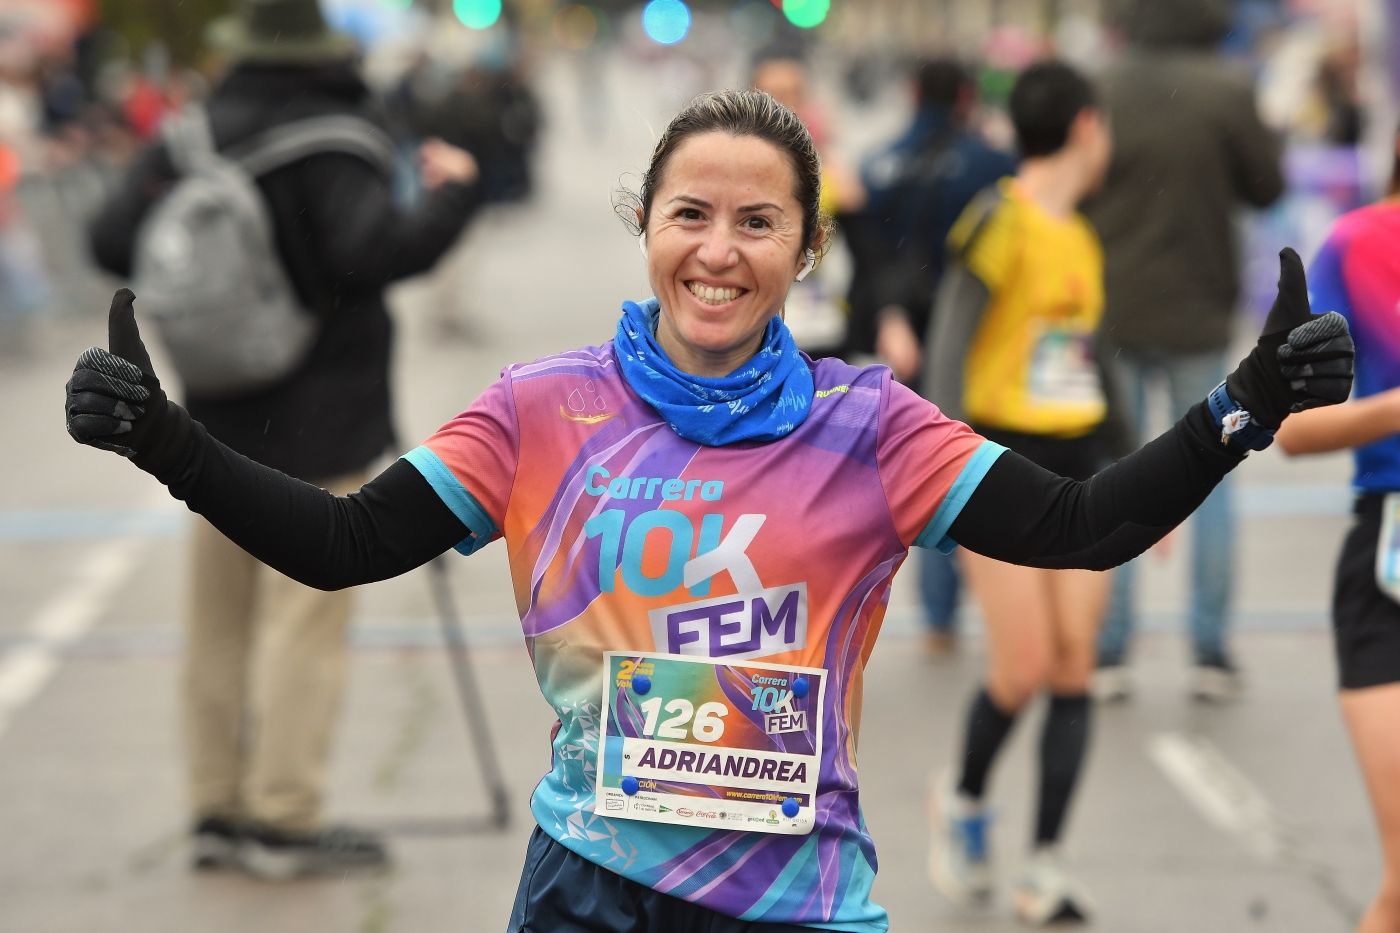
x=114 y=400
x=1302 y=360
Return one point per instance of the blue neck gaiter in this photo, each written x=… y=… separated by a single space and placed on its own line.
x=764 y=399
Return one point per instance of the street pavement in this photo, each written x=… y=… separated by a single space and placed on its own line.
x=1244 y=817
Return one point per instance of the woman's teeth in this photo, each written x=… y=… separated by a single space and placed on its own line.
x=712 y=295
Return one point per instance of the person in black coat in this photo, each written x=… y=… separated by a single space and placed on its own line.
x=265 y=657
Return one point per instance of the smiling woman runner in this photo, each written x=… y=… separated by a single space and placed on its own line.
x=703 y=638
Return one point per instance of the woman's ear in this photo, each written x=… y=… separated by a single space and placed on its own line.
x=809 y=263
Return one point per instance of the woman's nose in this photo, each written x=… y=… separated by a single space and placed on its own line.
x=718 y=250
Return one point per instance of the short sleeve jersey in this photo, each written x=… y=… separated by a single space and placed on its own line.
x=612 y=520
x=1044 y=277
x=1357 y=274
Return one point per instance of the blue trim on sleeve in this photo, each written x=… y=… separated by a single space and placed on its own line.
x=935 y=534
x=456 y=497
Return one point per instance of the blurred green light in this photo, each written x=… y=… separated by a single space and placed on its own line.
x=477 y=14
x=806 y=13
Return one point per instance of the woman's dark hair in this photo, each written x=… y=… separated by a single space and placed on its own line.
x=738 y=113
x=1044 y=102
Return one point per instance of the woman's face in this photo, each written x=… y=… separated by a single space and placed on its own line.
x=724 y=242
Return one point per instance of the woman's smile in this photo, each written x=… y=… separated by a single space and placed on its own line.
x=714 y=296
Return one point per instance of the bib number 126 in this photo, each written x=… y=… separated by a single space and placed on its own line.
x=706 y=723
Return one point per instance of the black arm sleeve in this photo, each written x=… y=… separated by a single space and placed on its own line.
x=1024 y=514
x=394 y=523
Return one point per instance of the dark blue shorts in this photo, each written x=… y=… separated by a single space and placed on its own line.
x=561 y=892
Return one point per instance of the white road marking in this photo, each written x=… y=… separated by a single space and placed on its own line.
x=1230 y=801
x=1223 y=795
x=27 y=667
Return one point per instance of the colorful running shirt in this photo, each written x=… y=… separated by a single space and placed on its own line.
x=1357 y=274
x=739 y=570
x=1031 y=366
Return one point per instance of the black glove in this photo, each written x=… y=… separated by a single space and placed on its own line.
x=1302 y=360
x=115 y=402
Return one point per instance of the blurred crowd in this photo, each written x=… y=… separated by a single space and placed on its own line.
x=74 y=114
x=73 y=110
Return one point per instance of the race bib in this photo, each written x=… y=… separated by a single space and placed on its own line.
x=1062 y=369
x=695 y=742
x=1388 y=547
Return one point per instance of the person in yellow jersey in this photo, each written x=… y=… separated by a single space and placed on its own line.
x=1013 y=355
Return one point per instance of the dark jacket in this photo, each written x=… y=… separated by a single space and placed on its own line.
x=917 y=188
x=342 y=241
x=1188 y=149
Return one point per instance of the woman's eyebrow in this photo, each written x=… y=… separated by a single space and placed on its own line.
x=745 y=209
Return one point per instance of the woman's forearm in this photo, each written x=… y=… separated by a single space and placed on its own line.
x=1341 y=427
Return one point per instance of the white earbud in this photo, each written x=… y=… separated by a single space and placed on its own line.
x=807 y=266
x=642 y=243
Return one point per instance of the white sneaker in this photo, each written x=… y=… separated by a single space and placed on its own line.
x=959 y=861
x=1047 y=894
x=1112 y=683
x=1216 y=683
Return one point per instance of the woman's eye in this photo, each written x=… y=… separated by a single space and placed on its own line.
x=757 y=223
x=688 y=213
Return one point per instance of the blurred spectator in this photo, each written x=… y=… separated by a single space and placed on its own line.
x=916 y=189
x=24 y=288
x=491 y=111
x=265 y=658
x=1339 y=95
x=815 y=310
x=24 y=282
x=145 y=106
x=1189 y=148
x=64 y=97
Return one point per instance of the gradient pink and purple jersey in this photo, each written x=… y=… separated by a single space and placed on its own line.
x=616 y=528
x=1357 y=274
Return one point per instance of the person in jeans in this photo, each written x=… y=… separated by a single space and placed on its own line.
x=918 y=186
x=265 y=657
x=1189 y=149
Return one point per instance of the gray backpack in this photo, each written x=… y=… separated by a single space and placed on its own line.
x=206 y=265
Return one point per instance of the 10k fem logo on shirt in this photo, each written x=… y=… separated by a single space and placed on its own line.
x=754 y=622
